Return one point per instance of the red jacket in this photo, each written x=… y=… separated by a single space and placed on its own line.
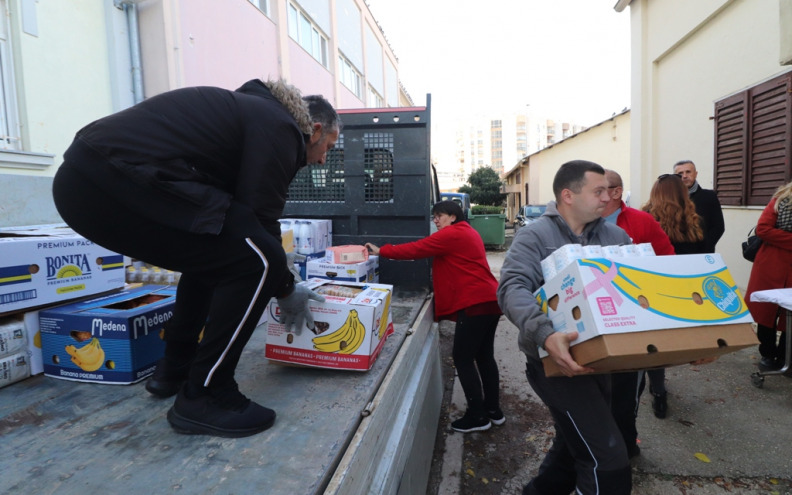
x=772 y=268
x=461 y=275
x=642 y=227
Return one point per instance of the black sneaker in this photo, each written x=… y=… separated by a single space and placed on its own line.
x=770 y=364
x=168 y=378
x=471 y=422
x=633 y=451
x=660 y=405
x=496 y=416
x=230 y=415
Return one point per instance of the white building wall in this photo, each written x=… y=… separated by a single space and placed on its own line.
x=686 y=56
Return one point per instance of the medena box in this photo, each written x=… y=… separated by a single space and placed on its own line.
x=646 y=312
x=351 y=327
x=45 y=264
x=110 y=339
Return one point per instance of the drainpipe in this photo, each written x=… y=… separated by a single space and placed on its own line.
x=130 y=9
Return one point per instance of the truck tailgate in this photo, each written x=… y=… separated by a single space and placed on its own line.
x=69 y=437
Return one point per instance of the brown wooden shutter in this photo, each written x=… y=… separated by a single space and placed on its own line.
x=770 y=135
x=753 y=142
x=730 y=149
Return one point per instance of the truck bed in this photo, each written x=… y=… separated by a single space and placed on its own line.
x=70 y=437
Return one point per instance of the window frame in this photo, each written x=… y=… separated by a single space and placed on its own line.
x=307 y=34
x=753 y=142
x=10 y=129
x=349 y=76
x=262 y=5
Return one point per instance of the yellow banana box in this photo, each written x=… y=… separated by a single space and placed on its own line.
x=110 y=339
x=350 y=327
x=46 y=264
x=651 y=311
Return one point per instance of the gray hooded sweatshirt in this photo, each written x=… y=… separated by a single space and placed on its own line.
x=521 y=273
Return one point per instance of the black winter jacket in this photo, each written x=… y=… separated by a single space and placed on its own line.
x=182 y=156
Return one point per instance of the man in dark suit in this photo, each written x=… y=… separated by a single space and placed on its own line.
x=707 y=205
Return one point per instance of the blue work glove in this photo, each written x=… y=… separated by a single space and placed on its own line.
x=294 y=309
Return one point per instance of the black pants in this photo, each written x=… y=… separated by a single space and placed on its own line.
x=626 y=397
x=767 y=343
x=626 y=393
x=588 y=454
x=226 y=283
x=474 y=359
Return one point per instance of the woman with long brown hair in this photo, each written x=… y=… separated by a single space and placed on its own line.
x=670 y=204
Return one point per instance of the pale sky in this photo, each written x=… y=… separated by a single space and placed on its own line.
x=567 y=59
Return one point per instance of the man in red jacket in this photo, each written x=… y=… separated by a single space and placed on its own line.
x=627 y=387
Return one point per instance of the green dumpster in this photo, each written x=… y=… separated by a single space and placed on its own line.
x=491 y=228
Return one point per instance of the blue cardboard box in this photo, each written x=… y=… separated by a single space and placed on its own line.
x=110 y=339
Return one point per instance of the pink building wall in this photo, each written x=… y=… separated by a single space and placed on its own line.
x=307 y=74
x=247 y=48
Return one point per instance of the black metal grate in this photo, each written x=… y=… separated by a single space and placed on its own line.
x=321 y=183
x=378 y=166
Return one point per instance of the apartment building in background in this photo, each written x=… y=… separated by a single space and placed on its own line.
x=64 y=64
x=499 y=140
x=529 y=179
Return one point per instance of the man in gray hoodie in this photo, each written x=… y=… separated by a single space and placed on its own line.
x=588 y=453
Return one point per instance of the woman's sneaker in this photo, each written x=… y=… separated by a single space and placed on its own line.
x=471 y=422
x=496 y=416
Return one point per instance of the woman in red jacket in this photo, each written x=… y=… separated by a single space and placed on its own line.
x=464 y=290
x=772 y=269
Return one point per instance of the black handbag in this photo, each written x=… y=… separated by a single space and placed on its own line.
x=751 y=245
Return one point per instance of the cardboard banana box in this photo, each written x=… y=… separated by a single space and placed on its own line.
x=46 y=264
x=350 y=330
x=112 y=339
x=644 y=312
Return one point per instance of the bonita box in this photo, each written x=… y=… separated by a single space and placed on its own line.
x=45 y=264
x=645 y=312
x=351 y=327
x=111 y=339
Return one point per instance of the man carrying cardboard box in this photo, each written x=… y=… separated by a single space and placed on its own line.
x=194 y=180
x=588 y=454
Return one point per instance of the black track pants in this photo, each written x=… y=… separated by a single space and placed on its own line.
x=227 y=279
x=588 y=454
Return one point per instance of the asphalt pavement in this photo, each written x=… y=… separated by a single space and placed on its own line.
x=722 y=434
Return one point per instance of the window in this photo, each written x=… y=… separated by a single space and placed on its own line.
x=350 y=77
x=753 y=142
x=307 y=34
x=374 y=99
x=9 y=122
x=262 y=5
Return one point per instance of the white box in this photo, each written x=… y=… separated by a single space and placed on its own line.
x=366 y=271
x=351 y=327
x=13 y=337
x=14 y=368
x=45 y=264
x=635 y=295
x=25 y=328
